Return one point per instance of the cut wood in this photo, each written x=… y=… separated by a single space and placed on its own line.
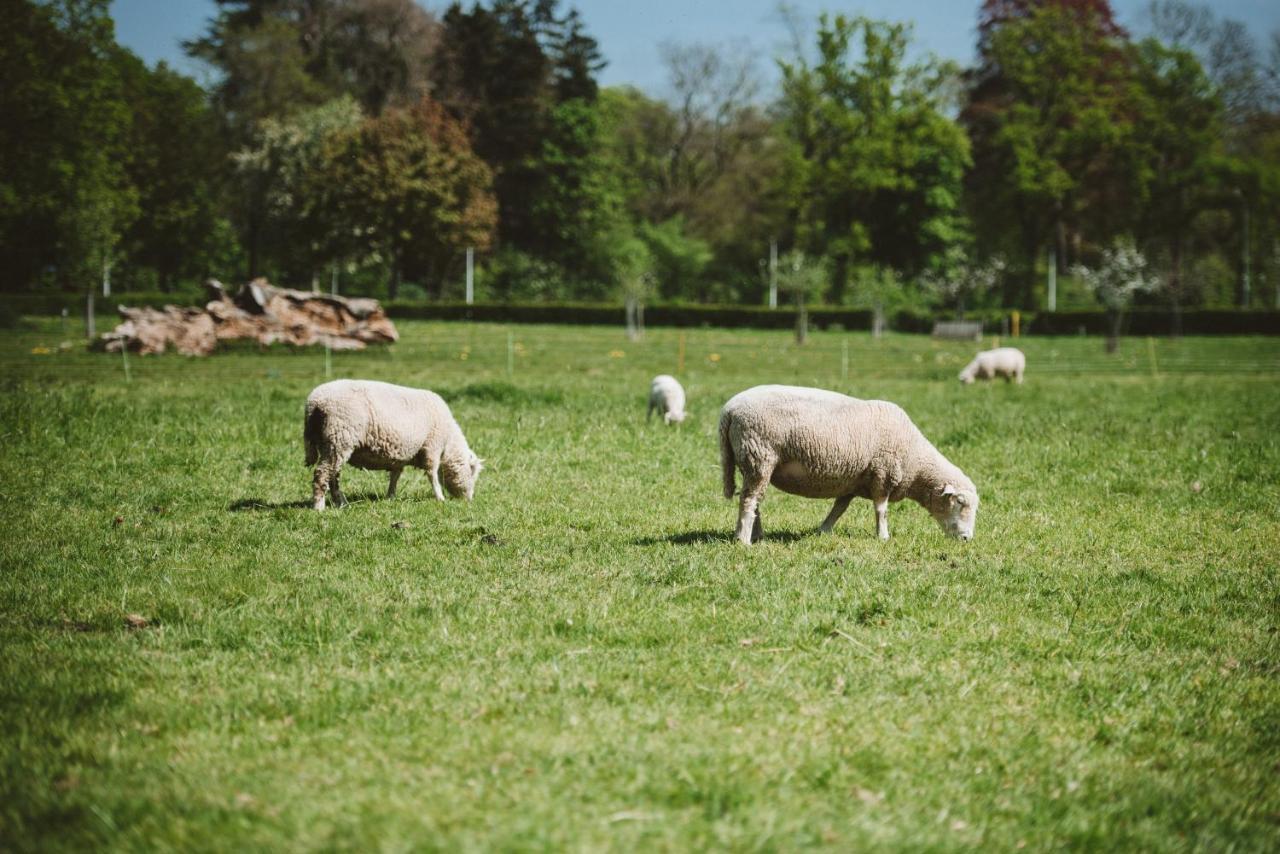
x=259 y=311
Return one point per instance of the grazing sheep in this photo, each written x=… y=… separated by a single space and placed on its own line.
x=381 y=426
x=666 y=395
x=821 y=444
x=1007 y=362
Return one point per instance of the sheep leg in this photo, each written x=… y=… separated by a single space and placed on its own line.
x=648 y=416
x=757 y=528
x=335 y=488
x=391 y=487
x=882 y=518
x=319 y=482
x=433 y=469
x=753 y=487
x=837 y=510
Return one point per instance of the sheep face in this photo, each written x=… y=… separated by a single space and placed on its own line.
x=673 y=417
x=459 y=479
x=967 y=375
x=956 y=510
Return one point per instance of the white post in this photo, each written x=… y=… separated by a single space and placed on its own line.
x=773 y=274
x=1053 y=278
x=106 y=273
x=89 y=330
x=471 y=294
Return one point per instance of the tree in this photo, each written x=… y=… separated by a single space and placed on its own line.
x=875 y=167
x=410 y=192
x=284 y=167
x=64 y=194
x=277 y=55
x=1178 y=136
x=964 y=278
x=1048 y=117
x=520 y=78
x=173 y=164
x=802 y=277
x=1120 y=275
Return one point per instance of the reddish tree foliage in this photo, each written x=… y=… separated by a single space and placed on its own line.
x=1092 y=13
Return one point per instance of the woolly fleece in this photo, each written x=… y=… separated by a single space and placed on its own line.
x=375 y=425
x=821 y=444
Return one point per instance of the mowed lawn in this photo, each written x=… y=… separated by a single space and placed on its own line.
x=583 y=659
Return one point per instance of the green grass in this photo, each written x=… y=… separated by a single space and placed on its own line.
x=583 y=659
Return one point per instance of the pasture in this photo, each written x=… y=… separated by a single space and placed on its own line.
x=583 y=659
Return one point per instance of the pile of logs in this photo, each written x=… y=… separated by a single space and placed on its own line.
x=258 y=311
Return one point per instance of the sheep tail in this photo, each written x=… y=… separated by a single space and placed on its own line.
x=726 y=456
x=312 y=430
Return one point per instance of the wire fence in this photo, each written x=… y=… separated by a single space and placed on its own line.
x=44 y=351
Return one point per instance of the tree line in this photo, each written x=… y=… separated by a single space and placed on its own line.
x=372 y=143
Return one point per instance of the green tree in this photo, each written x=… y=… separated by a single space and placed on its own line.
x=1049 y=117
x=875 y=165
x=284 y=167
x=409 y=192
x=174 y=155
x=64 y=194
x=1179 y=153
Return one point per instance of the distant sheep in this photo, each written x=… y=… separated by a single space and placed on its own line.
x=376 y=425
x=1007 y=362
x=821 y=444
x=666 y=395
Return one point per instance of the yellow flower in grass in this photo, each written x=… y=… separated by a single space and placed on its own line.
x=616 y=354
x=714 y=357
x=40 y=351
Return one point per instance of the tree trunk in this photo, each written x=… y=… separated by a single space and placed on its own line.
x=839 y=279
x=1113 y=329
x=1175 y=283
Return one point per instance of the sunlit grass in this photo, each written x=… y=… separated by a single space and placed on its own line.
x=583 y=659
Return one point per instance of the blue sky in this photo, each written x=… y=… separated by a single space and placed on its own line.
x=630 y=31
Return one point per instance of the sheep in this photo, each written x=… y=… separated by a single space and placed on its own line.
x=1007 y=362
x=820 y=444
x=375 y=425
x=666 y=395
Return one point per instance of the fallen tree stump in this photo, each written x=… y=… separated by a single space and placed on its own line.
x=260 y=312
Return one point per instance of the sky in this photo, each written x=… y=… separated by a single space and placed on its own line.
x=631 y=31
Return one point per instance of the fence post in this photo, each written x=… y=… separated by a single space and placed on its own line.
x=124 y=356
x=471 y=275
x=89 y=330
x=680 y=354
x=328 y=359
x=511 y=354
x=844 y=359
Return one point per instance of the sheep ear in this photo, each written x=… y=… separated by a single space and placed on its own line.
x=949 y=490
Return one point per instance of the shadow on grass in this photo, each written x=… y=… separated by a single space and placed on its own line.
x=248 y=504
x=689 y=538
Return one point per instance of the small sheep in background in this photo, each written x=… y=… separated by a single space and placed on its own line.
x=666 y=395
x=821 y=444
x=1007 y=362
x=375 y=425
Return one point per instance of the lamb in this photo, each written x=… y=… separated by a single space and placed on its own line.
x=666 y=395
x=1007 y=362
x=821 y=444
x=375 y=425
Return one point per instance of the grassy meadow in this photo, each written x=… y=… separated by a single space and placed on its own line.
x=582 y=658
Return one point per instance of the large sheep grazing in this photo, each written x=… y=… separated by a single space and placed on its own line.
x=1007 y=362
x=666 y=395
x=821 y=444
x=381 y=426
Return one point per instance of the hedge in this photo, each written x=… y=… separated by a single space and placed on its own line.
x=1138 y=321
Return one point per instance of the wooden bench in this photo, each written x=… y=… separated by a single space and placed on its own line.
x=960 y=330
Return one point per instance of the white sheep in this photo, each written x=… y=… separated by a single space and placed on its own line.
x=666 y=395
x=376 y=425
x=1007 y=362
x=821 y=444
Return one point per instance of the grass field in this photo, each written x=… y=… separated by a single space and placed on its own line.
x=583 y=659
